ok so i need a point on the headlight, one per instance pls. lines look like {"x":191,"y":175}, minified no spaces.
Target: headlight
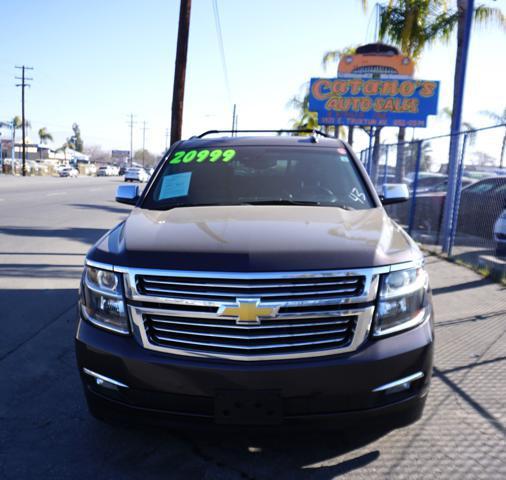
{"x":402,"y":301}
{"x":102,"y":300}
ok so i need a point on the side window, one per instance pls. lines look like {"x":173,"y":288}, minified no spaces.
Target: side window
{"x":482,"y":187}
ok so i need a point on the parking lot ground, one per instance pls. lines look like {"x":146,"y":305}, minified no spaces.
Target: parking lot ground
{"x":46,"y":226}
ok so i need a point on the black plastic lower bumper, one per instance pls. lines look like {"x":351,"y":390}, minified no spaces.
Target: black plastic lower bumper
{"x":327,"y":391}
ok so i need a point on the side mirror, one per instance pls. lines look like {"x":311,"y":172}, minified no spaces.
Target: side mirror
{"x":128,"y":194}
{"x":394,"y":193}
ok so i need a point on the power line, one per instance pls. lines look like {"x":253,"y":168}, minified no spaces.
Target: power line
{"x":222,"y":48}
{"x":23,"y":84}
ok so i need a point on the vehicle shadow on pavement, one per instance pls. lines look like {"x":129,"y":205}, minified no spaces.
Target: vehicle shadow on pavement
{"x":272,"y":454}
{"x":103,"y":208}
{"x":84,"y":235}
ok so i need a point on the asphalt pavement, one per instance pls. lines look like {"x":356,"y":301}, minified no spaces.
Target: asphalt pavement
{"x":46,"y":227}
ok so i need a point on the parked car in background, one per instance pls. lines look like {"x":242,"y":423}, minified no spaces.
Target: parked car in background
{"x":480,"y":206}
{"x":108,"y":171}
{"x":500,"y":234}
{"x":136,"y":174}
{"x":68,"y":172}
{"x":103,"y":171}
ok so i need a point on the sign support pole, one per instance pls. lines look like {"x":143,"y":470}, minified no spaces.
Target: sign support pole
{"x":455,"y":137}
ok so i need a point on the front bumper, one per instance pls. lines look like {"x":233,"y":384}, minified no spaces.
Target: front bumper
{"x":325,"y":390}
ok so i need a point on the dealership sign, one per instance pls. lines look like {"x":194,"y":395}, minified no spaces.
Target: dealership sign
{"x":373,"y":102}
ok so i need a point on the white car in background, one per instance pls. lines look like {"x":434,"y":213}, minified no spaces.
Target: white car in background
{"x":135,"y":174}
{"x":69,"y":172}
{"x":500,"y":234}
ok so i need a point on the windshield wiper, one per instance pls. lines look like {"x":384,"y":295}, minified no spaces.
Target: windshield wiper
{"x":298,"y":202}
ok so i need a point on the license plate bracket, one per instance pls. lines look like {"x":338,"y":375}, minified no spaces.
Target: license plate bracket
{"x":245,"y":407}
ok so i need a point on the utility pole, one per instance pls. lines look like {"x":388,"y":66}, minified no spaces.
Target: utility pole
{"x":180,"y":71}
{"x":166,"y":138}
{"x":131,"y":125}
{"x":233,"y":119}
{"x":143,"y":140}
{"x":23,"y":84}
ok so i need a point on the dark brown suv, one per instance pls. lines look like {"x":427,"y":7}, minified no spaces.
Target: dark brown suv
{"x":258,"y":280}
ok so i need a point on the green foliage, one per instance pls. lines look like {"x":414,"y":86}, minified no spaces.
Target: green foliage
{"x":75,"y":142}
{"x":305,"y":118}
{"x":413,"y":24}
{"x":334,"y":55}
{"x":44,"y":135}
{"x":148,"y":159}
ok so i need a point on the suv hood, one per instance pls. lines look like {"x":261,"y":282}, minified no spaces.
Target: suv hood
{"x":255,"y":238}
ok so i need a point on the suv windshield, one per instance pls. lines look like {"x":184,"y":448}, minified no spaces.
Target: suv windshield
{"x":259,"y":175}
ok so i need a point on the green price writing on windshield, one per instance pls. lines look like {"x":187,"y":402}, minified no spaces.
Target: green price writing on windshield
{"x":202,"y":155}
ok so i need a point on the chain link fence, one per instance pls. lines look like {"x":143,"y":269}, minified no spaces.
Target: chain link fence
{"x":468,"y":225}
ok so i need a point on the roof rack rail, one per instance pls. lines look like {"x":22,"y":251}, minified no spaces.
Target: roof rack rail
{"x":303,"y":130}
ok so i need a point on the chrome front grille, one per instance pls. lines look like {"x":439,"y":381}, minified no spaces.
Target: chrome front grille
{"x":265,"y":289}
{"x":271,"y":336}
{"x":310,"y":314}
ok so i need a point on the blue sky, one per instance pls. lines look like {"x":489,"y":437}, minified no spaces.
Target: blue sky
{"x":96,"y":61}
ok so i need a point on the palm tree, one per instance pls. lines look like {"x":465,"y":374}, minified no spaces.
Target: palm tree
{"x":16,"y":124}
{"x":500,"y":119}
{"x":305,"y":119}
{"x":413,"y":24}
{"x":45,"y":136}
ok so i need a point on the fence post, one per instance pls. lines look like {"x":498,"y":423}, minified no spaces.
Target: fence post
{"x":412,"y":210}
{"x":369,"y":152}
{"x":458,"y":191}
{"x":386,"y":165}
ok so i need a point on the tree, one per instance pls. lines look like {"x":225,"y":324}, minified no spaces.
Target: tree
{"x":500,"y":119}
{"x":44,"y":135}
{"x":97,"y":154}
{"x":63,"y":149}
{"x":305,"y":118}
{"x":17,"y":124}
{"x":414,"y":24}
{"x":75,"y":142}
{"x":149,"y":158}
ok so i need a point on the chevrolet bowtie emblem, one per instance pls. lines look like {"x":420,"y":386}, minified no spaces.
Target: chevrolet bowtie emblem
{"x":247,"y":311}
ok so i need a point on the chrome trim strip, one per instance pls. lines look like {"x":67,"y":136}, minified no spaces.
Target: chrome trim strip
{"x":252,"y":347}
{"x":159,"y":312}
{"x":91,"y":373}
{"x":397,"y":383}
{"x":268,"y":275}
{"x":248,"y":337}
{"x":262,"y":295}
{"x":260,"y":327}
{"x":362,"y":328}
{"x":250,"y":285}
{"x":103,"y":266}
